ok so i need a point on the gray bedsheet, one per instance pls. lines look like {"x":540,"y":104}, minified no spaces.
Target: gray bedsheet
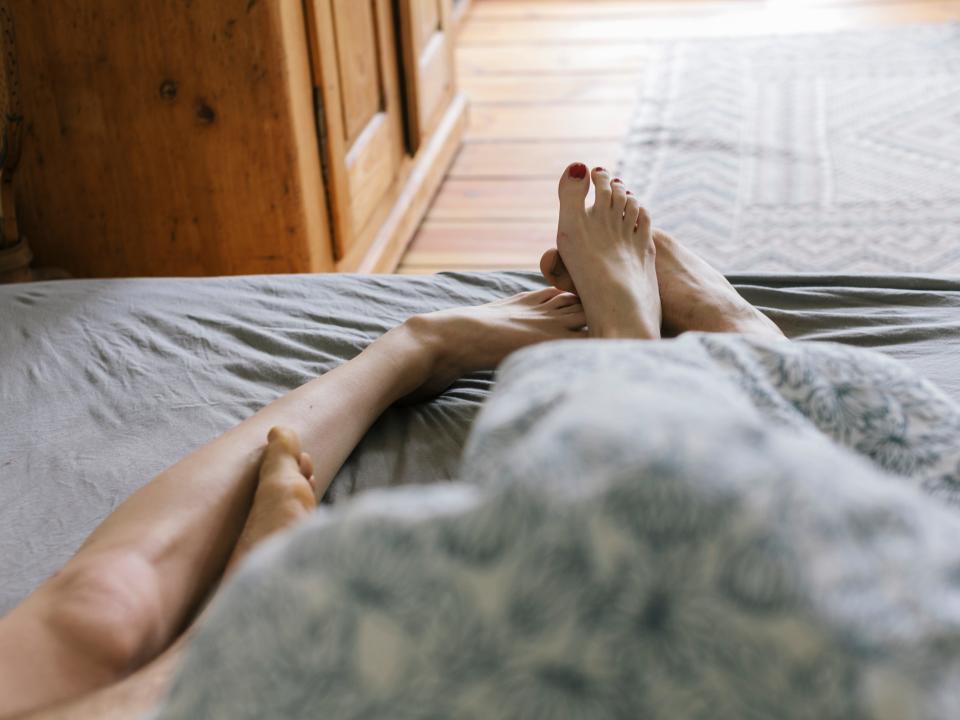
{"x":104,"y":383}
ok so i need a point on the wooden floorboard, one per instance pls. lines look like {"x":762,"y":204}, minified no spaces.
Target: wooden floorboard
{"x":553,"y":81}
{"x":703,"y":20}
{"x":496,"y":199}
{"x":497,"y":10}
{"x":558,"y":59}
{"x":529,"y":159}
{"x":526,"y":88}
{"x":582,"y":121}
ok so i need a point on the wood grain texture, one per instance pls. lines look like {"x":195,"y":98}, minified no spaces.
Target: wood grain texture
{"x":582,"y":10}
{"x":497,"y":199}
{"x":380,"y":193}
{"x":358,"y":63}
{"x":553,"y":81}
{"x":396,"y":219}
{"x":551,"y":60}
{"x":703,"y":20}
{"x":428,"y":64}
{"x":548,"y":122}
{"x":529,"y":159}
{"x":140,"y":160}
{"x":325,"y":72}
{"x":523,"y":89}
{"x":374,"y":157}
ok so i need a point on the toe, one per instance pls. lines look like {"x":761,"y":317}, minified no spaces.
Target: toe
{"x":573,"y":189}
{"x":575,"y":320}
{"x":562,"y":300}
{"x":555,"y":272}
{"x":601,"y":182}
{"x":283,"y":440}
{"x":643,"y":222}
{"x":631,"y":213}
{"x":618,"y":197}
{"x":306,"y":465}
{"x":538,"y":297}
{"x":283,"y":463}
{"x":306,"y":469}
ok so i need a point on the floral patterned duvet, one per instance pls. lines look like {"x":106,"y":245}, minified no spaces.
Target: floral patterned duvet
{"x":708,"y":527}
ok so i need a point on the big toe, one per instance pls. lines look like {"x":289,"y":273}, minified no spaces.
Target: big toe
{"x":285,"y":468}
{"x":283,"y":440}
{"x":573,"y":188}
{"x":555,"y":272}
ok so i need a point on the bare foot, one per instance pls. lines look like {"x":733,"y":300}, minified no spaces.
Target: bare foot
{"x":286,"y":492}
{"x":694,"y":295}
{"x":464,"y":340}
{"x":610,"y":254}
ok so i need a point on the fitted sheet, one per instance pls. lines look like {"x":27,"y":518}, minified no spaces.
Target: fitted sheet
{"x":103,"y":383}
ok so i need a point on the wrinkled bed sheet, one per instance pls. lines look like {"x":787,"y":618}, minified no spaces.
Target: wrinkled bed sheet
{"x":711,"y":526}
{"x":105,"y":383}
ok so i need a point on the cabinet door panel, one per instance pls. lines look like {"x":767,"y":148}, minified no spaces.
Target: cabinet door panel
{"x":358,"y":78}
{"x":434,"y":75}
{"x":426,"y":22}
{"x":428,"y":63}
{"x":356,"y":33}
{"x":371,"y":166}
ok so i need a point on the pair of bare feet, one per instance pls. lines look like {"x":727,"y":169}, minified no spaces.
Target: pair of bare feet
{"x":614,"y":276}
{"x":636,"y":281}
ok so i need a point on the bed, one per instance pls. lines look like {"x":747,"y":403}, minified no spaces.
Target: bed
{"x":103,"y":383}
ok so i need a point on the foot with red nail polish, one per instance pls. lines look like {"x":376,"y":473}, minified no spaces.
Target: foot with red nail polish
{"x":694,"y":295}
{"x":609,"y":253}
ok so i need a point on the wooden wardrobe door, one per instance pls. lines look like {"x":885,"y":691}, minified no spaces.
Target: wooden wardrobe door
{"x":356,"y":67}
{"x":428,"y":64}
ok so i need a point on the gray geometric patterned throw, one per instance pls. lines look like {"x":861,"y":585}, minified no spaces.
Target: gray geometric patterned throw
{"x":830,"y":153}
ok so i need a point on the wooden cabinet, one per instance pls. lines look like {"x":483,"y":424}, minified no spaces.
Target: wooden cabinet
{"x":231,"y":136}
{"x":370,"y":93}
{"x":428,"y":61}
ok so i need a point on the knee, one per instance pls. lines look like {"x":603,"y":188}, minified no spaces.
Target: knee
{"x":106,"y":609}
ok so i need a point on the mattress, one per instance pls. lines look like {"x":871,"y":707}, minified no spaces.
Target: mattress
{"x":103,"y":383}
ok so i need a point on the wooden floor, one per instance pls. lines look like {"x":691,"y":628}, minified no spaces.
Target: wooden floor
{"x":553,"y":81}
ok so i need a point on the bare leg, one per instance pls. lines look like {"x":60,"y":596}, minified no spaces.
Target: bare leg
{"x":286,"y":494}
{"x":694,"y":296}
{"x":140,"y":577}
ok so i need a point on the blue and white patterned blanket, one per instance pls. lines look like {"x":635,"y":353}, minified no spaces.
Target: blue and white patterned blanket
{"x":707,"y":527}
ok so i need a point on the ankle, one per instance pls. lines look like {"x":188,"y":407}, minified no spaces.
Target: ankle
{"x":624,"y":329}
{"x":416,"y":347}
{"x":423,"y":331}
{"x":440,"y":336}
{"x":628,"y":310}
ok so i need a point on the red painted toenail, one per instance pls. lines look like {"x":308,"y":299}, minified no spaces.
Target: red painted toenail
{"x":578,"y":171}
{"x":617,"y":180}
{"x":599,"y":169}
{"x":629,"y":193}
